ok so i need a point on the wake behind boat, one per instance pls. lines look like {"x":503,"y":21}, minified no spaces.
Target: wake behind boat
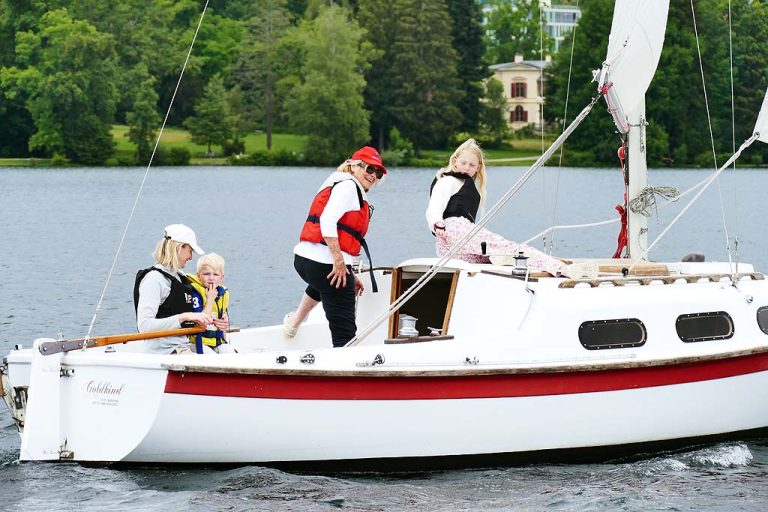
{"x":614,"y":357}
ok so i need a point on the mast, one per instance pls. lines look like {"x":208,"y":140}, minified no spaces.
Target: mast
{"x":634,"y":49}
{"x":637,"y":223}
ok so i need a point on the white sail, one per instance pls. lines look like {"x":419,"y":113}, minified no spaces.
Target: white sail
{"x":634,"y":48}
{"x":761,"y":126}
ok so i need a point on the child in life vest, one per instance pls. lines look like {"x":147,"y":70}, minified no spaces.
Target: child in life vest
{"x":211,"y":297}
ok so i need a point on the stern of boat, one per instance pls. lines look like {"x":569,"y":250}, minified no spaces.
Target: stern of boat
{"x":85,"y":405}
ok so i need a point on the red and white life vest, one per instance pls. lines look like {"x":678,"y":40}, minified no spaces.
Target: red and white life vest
{"x":352,"y":226}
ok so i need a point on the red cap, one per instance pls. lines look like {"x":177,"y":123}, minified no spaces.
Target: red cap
{"x":370,"y":156}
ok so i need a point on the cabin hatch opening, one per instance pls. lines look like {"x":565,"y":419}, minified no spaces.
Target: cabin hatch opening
{"x":431,"y":305}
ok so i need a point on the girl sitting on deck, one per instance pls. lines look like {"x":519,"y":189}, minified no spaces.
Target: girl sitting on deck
{"x":456,"y":195}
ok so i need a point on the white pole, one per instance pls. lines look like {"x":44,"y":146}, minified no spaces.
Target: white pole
{"x":637,"y":228}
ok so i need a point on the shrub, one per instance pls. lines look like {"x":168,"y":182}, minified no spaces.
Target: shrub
{"x":269,"y":158}
{"x":58,"y":160}
{"x":172,"y":156}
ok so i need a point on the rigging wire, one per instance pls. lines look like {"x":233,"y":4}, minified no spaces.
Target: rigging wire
{"x":733,"y":138}
{"x":540,"y":100}
{"x":146,"y":173}
{"x":711,"y":136}
{"x":560,"y":158}
{"x":617,"y":219}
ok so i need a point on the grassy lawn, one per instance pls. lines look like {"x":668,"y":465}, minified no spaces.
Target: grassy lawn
{"x":24,"y":162}
{"x":174,"y":137}
{"x":516,"y":149}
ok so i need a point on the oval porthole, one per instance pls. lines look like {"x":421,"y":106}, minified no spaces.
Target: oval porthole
{"x":716,"y":325}
{"x":616,"y":333}
{"x":762,"y":319}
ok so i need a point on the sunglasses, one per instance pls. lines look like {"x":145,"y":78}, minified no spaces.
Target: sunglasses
{"x":371,"y":169}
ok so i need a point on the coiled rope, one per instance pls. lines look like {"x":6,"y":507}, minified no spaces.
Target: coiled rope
{"x":645,"y":202}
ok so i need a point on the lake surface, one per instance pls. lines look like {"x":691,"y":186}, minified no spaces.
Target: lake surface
{"x":62,"y":229}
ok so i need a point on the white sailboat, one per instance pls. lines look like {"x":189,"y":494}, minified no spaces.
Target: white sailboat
{"x":525,"y":366}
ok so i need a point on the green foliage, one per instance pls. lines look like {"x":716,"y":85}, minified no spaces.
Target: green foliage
{"x":750,"y":62}
{"x":428,"y":90}
{"x":58,"y":160}
{"x":513,"y":28}
{"x":676,"y":110}
{"x":327,"y":102}
{"x":269,"y":158}
{"x":260,"y":63}
{"x":65,"y":73}
{"x":400,"y":150}
{"x":467,"y":32}
{"x":494,"y":125}
{"x":172,"y":156}
{"x":381,"y":23}
{"x":143,"y":120}
{"x":210,"y":124}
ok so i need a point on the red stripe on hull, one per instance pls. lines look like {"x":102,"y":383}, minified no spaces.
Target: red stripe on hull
{"x":456,"y":387}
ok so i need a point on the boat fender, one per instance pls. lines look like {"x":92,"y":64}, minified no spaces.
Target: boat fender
{"x":307,"y":359}
{"x":281,"y":360}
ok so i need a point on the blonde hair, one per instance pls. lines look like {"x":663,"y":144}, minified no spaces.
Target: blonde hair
{"x":167,"y":253}
{"x":473,"y":147}
{"x":212,"y":261}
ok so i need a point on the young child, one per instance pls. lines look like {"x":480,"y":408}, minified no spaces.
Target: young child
{"x":211,"y":297}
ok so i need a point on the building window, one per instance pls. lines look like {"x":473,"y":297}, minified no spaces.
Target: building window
{"x":717,"y":325}
{"x":518,"y":90}
{"x":619,"y":333}
{"x":519,"y":115}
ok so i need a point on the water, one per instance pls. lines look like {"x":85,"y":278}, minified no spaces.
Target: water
{"x":60,"y":232}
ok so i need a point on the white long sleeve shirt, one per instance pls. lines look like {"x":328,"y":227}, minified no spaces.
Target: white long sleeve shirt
{"x":442,"y":192}
{"x":343,"y":199}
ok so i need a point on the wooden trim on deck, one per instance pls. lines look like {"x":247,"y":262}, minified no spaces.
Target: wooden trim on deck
{"x":455,"y":367}
{"x":688,"y":278}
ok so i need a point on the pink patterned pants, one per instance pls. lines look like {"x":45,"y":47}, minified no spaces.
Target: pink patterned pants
{"x":457,"y":227}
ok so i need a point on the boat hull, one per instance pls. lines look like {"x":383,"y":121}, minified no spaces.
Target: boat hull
{"x":276,"y":430}
{"x":152,"y":413}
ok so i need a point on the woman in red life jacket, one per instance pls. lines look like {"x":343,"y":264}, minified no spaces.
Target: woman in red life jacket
{"x":331,"y":240}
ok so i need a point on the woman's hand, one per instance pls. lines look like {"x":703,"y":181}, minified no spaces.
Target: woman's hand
{"x":201,"y":319}
{"x":222,"y":323}
{"x":359,"y":286}
{"x":338,"y":276}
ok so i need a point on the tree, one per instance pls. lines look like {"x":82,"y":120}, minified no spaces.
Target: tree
{"x":426,"y":96}
{"x":143,"y":120}
{"x":380,"y":19}
{"x":327,"y":100}
{"x":260,"y":64}
{"x":494,"y":114}
{"x":595,"y":136}
{"x":469,"y":44}
{"x":210,"y":124}
{"x":515,"y":27}
{"x":65,"y":72}
{"x":750,"y":62}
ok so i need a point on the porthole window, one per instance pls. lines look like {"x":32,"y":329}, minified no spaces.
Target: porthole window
{"x":618,"y":333}
{"x":762,"y":319}
{"x":716,"y":325}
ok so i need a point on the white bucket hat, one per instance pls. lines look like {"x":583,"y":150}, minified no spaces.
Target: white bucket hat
{"x":183,"y":234}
